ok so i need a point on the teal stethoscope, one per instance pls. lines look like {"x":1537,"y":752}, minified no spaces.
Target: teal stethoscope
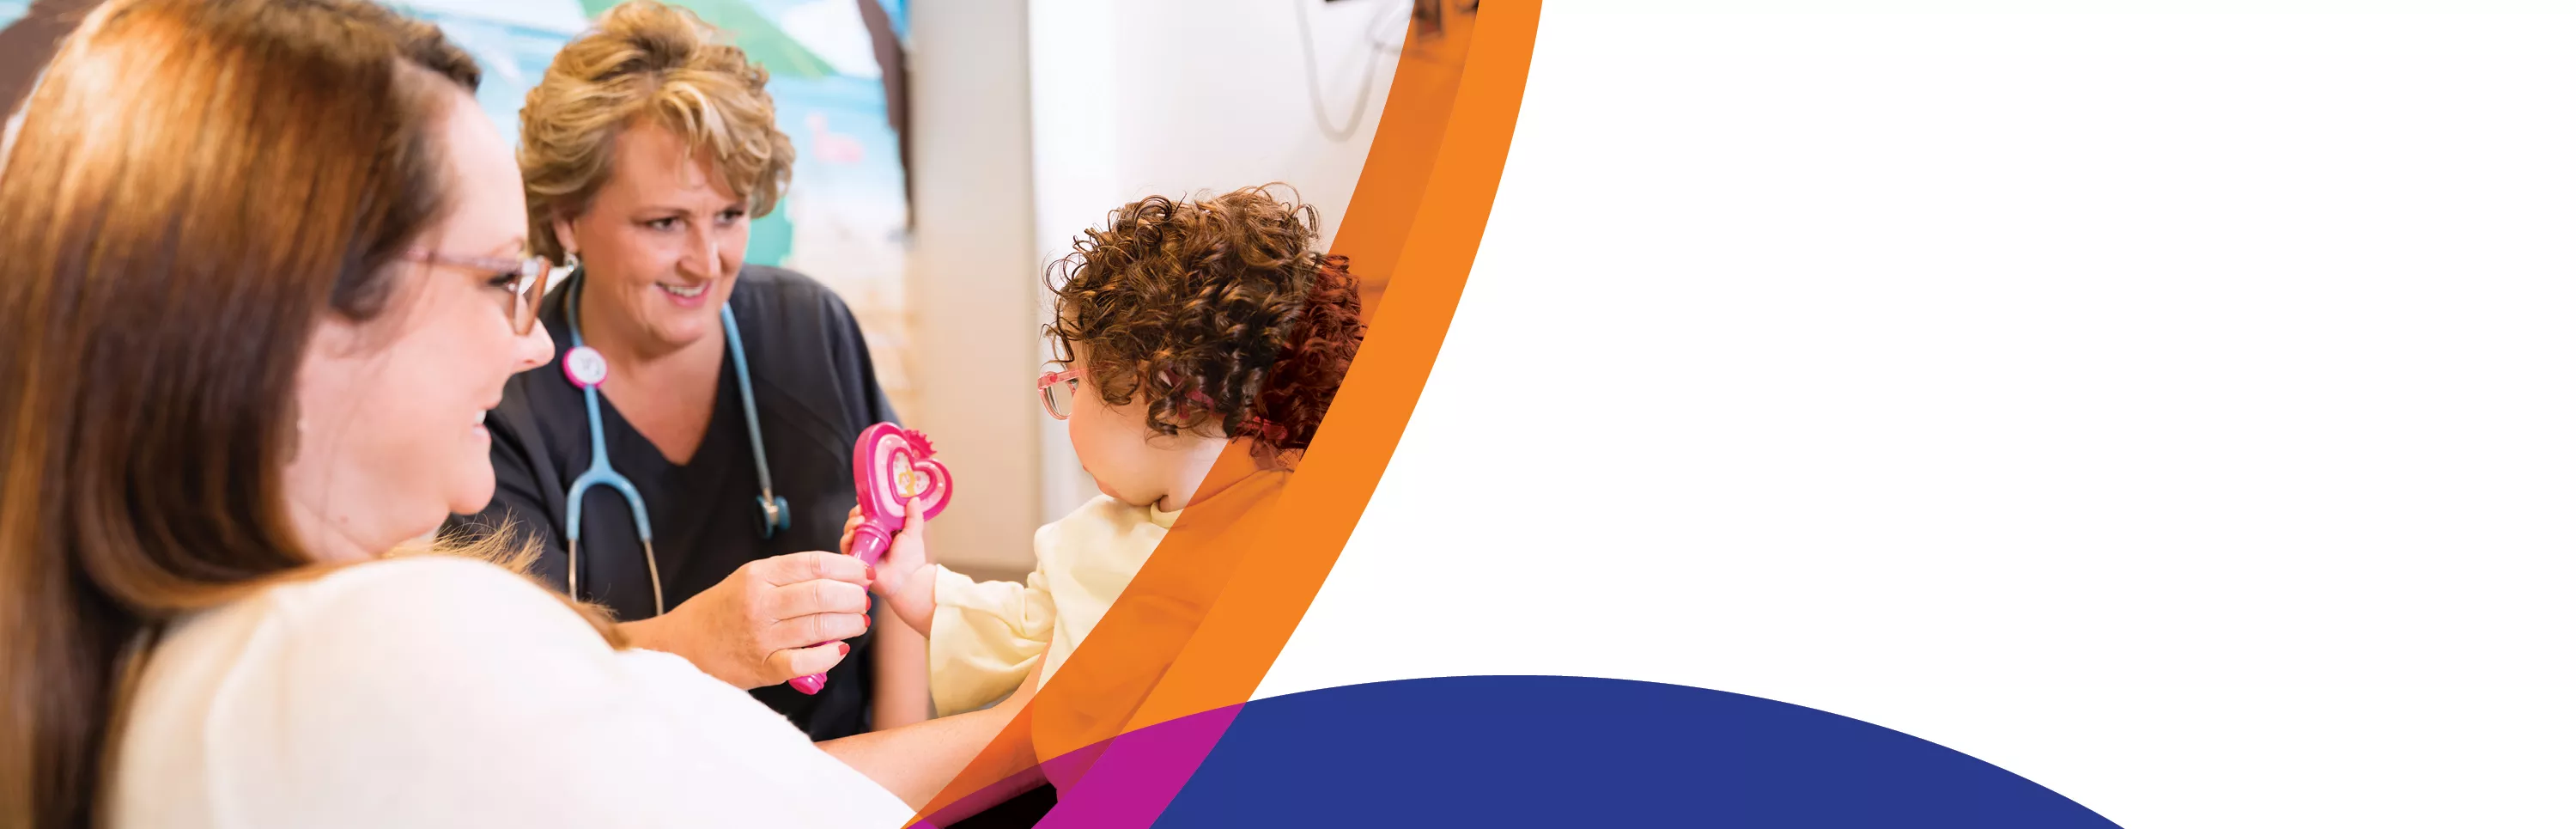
{"x":585,"y":367}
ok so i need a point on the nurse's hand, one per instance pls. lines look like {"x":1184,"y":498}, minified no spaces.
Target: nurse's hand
{"x":753,"y":629}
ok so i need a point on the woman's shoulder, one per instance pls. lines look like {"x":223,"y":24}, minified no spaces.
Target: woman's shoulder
{"x":439,"y":625}
{"x":443,"y":691}
{"x":441,"y":618}
{"x":772,"y":289}
{"x":347,"y":681}
{"x":806,"y":344}
{"x":411,"y":581}
{"x":771,"y":277}
{"x":787,"y":309}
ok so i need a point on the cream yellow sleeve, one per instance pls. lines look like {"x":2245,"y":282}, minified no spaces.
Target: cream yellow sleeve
{"x":985,"y":638}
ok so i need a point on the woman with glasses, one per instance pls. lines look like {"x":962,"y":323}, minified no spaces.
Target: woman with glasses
{"x":255,"y":305}
{"x":683,"y":458}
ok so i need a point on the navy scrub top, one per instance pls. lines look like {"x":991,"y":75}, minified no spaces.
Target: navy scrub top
{"x":816,"y":389}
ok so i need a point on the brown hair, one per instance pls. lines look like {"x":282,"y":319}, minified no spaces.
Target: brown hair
{"x":196,"y":184}
{"x":646,"y":63}
{"x":1222,"y":313}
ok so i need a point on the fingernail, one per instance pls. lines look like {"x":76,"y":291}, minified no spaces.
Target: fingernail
{"x":845,"y":649}
{"x":871,"y":570}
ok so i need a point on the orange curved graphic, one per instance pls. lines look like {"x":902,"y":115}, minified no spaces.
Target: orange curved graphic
{"x":1202,"y":622}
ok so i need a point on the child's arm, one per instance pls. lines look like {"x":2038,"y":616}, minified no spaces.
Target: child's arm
{"x":985,"y":636}
{"x":904,"y":577}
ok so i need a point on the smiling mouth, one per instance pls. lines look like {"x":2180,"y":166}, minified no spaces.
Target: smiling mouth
{"x":683,"y":292}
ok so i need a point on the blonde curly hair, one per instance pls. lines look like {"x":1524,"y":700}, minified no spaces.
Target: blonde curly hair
{"x":646,"y":63}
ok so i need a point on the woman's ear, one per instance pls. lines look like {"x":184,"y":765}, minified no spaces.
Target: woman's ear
{"x":564,"y":237}
{"x":335,"y":338}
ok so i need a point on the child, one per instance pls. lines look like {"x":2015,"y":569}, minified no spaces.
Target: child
{"x":1181,"y":328}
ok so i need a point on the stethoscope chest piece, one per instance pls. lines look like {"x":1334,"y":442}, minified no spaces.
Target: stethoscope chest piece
{"x":773,"y":515}
{"x":585,"y":367}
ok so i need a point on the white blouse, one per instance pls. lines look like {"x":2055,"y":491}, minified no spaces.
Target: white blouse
{"x":437,"y":691}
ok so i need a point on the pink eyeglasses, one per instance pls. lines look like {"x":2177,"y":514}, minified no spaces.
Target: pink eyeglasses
{"x":1059,"y":404}
{"x":526,"y":289}
{"x":1056,"y":388}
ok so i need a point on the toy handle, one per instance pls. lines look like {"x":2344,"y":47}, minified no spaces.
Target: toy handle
{"x":869,"y":542}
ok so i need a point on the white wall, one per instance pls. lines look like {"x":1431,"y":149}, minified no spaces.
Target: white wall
{"x":1131,"y":98}
{"x":971,"y":281}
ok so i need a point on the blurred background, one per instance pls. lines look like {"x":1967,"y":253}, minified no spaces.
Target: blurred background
{"x":947,"y":150}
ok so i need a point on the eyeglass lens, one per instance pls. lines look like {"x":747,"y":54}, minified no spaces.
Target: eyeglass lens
{"x":532,"y":287}
{"x":1059,"y":398}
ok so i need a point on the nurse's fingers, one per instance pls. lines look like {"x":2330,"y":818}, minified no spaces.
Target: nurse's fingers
{"x":806,"y":598}
{"x":821,"y":627}
{"x":802,"y":661}
{"x":808,"y":566}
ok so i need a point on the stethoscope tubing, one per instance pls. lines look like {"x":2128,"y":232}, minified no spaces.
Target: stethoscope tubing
{"x":773,"y":510}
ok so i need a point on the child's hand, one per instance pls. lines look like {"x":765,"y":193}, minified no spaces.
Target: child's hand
{"x":850,"y":530}
{"x":904,"y":577}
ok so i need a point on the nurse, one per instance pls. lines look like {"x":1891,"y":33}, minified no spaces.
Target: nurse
{"x":721,"y":398}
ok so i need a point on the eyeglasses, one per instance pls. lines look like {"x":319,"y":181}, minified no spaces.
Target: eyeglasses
{"x":1055,"y":391}
{"x":527,"y":287}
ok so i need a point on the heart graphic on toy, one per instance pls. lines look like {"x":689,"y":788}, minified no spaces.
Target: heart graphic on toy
{"x":891,"y":465}
{"x":895,"y":467}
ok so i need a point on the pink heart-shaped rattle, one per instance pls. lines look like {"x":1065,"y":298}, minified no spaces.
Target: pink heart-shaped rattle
{"x":891,"y":465}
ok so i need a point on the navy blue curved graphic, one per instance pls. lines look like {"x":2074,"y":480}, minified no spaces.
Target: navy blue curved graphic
{"x":1579,"y":751}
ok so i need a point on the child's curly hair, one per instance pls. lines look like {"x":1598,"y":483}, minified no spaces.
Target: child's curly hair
{"x":1220,"y":312}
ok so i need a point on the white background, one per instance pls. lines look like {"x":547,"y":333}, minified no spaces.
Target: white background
{"x":2178,"y":410}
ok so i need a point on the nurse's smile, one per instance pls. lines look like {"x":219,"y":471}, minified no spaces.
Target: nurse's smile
{"x":689,"y":296}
